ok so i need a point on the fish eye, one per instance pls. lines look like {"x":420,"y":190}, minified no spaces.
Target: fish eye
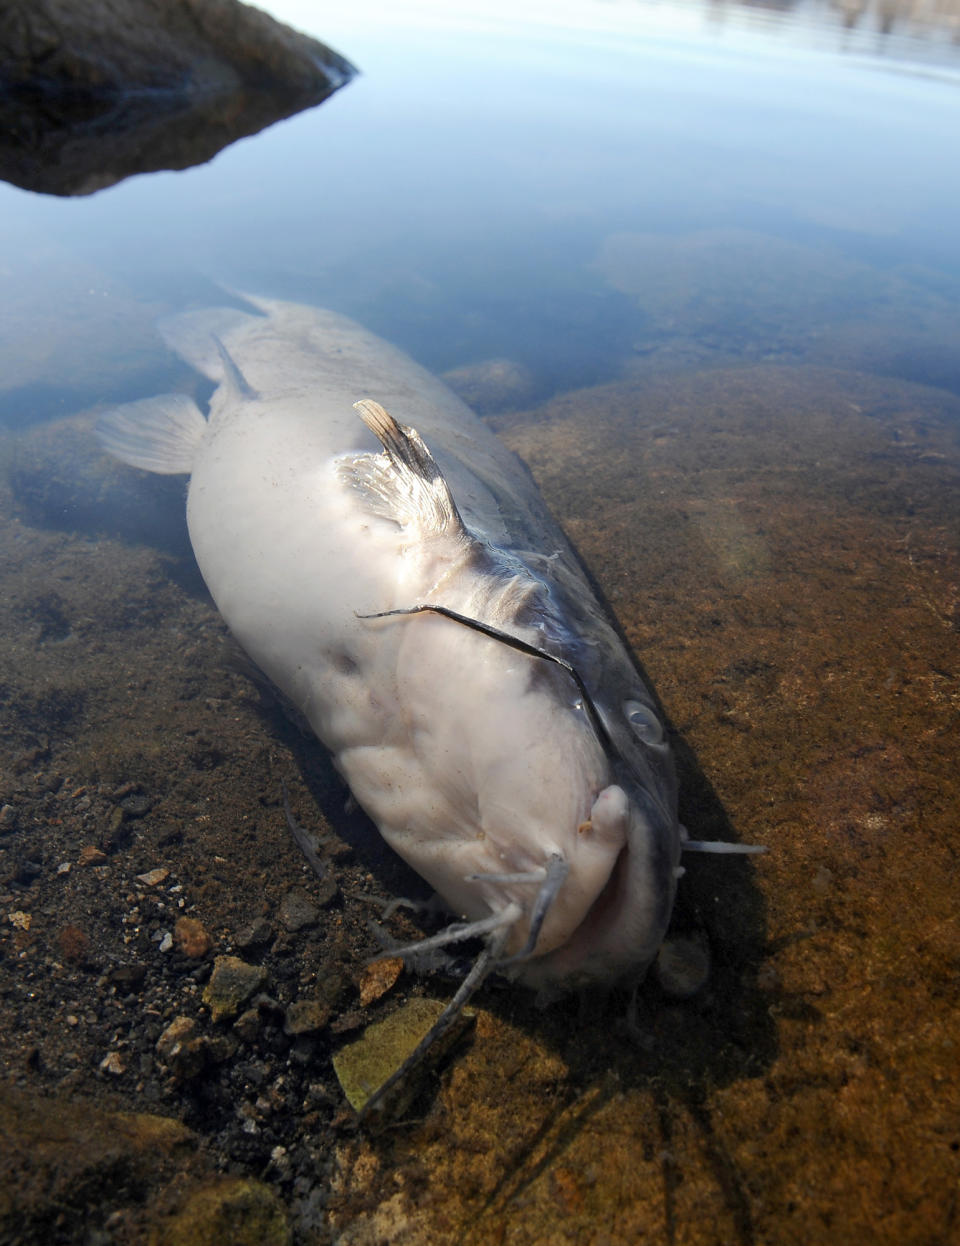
{"x":644,"y":723}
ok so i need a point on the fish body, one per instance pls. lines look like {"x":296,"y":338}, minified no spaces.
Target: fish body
{"x":521,"y":769}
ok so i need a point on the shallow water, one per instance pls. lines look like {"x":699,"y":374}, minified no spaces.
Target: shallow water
{"x":700,"y":267}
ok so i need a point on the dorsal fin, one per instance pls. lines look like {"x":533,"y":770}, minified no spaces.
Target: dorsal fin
{"x":404,"y":483}
{"x":234,"y":380}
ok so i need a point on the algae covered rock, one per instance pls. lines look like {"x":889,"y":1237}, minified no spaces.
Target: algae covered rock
{"x":364,"y":1066}
{"x":231,"y":984}
{"x":233,"y":1212}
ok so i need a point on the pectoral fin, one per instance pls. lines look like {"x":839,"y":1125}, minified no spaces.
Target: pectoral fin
{"x":404,"y":483}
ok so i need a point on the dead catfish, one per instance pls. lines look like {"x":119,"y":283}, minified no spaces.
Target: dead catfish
{"x":392,"y":568}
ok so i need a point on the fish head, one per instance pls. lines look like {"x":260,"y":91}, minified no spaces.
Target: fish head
{"x":539,"y":811}
{"x":635,"y":816}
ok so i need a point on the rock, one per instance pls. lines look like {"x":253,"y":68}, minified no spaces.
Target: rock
{"x":378,"y":978}
{"x":235,"y":1211}
{"x":256,"y":934}
{"x":113,"y":1063}
{"x":19,"y":919}
{"x":128,"y":977}
{"x":153,"y":878}
{"x":191,"y":938}
{"x":92,"y":91}
{"x":297,"y":910}
{"x":8,"y":819}
{"x":90,"y":855}
{"x":231,"y":984}
{"x":306,"y":1016}
{"x":683,"y":965}
{"x":136,"y":806}
{"x":493,"y":385}
{"x":181,"y":1049}
{"x":363,"y":1066}
{"x":247,"y":1025}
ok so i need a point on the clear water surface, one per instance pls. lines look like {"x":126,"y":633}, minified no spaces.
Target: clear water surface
{"x":573,"y":187}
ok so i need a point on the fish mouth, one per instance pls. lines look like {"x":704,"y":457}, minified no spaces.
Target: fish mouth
{"x":622,"y":930}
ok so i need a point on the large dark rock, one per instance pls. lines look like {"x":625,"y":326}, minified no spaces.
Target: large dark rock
{"x":92,"y":91}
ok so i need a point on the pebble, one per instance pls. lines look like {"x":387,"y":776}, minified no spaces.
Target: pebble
{"x":136,"y":806}
{"x":306,"y":1016}
{"x":20,"y":919}
{"x":682,"y":965}
{"x":376,"y":979}
{"x":247,"y":1025}
{"x":114,"y":1063}
{"x":190,"y":938}
{"x":153,"y":878}
{"x":128,"y":977}
{"x":255,"y":935}
{"x":298,"y":911}
{"x":91,"y":855}
{"x":231,"y":984}
{"x":8,"y":819}
{"x":181,"y":1048}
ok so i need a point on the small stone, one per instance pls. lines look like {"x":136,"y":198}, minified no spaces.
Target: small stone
{"x":191,"y":938}
{"x":113,"y":1063}
{"x":8,"y":819}
{"x":378,"y":978}
{"x":19,"y":919}
{"x":306,"y":1016}
{"x":128,"y":977}
{"x":220,"y":1047}
{"x":181,"y":1049}
{"x":247,"y":1025}
{"x":166,"y":941}
{"x":74,"y":944}
{"x":90,"y":855}
{"x":136,"y":806}
{"x":153,"y":878}
{"x":682,"y":965}
{"x":256,"y":934}
{"x":231,"y":984}
{"x":64,"y":867}
{"x":297,"y":910}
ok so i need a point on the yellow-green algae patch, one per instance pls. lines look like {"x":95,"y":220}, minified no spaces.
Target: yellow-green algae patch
{"x":782,"y":549}
{"x":364,"y":1065}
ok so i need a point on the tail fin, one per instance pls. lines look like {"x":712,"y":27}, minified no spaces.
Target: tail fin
{"x":158,"y":434}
